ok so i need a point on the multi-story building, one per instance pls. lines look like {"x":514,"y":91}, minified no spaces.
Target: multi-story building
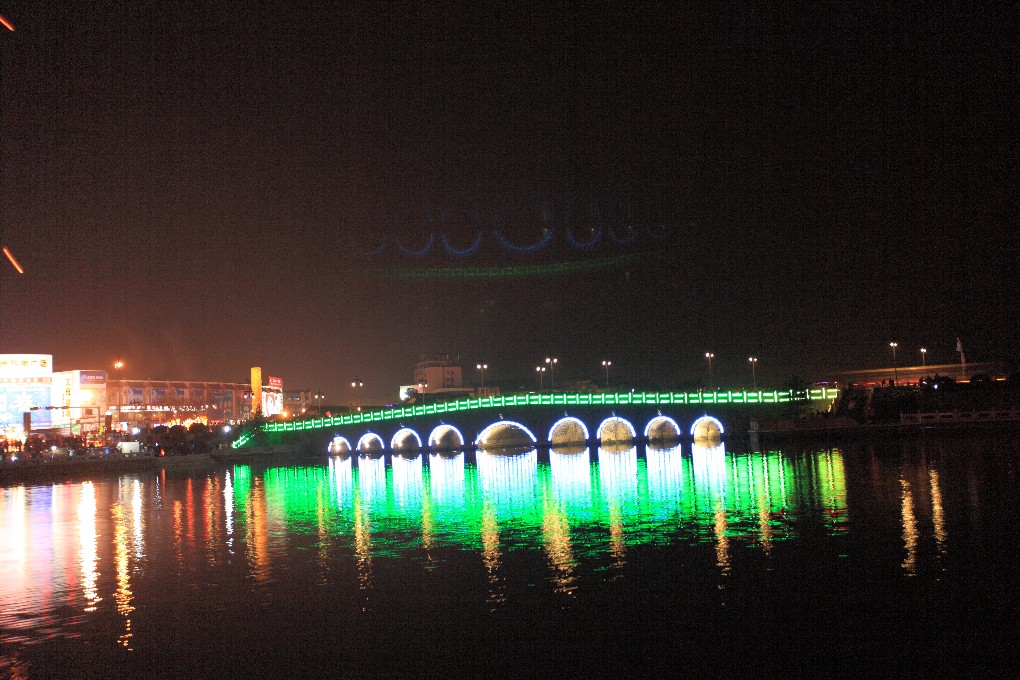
{"x":144,"y":403}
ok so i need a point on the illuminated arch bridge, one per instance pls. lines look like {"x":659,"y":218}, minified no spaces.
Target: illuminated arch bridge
{"x":534,"y":420}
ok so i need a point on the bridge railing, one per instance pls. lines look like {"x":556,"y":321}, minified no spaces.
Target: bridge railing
{"x":553,"y":399}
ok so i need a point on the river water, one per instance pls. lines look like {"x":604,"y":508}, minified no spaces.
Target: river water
{"x":888,"y":559}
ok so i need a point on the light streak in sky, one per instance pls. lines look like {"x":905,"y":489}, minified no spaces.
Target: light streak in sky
{"x":7,"y":251}
{"x":10,"y":26}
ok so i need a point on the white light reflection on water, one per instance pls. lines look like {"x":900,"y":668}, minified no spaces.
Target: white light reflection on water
{"x":618,"y":487}
{"x":446,"y":481}
{"x":570,"y":474}
{"x":408,"y":485}
{"x":569,"y":496}
{"x":509,"y":482}
{"x":709,"y":465}
{"x":228,"y":511}
{"x":666,"y":483}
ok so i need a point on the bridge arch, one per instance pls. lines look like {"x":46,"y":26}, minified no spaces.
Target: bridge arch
{"x":405,"y":440}
{"x":446,"y":438}
{"x":616,"y":430}
{"x":707,"y":428}
{"x":370,"y":442}
{"x":662,"y":432}
{"x":505,"y":434}
{"x":567,"y":431}
{"x":339,"y":445}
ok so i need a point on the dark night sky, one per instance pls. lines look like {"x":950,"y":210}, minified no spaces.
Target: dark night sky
{"x":193,"y":186}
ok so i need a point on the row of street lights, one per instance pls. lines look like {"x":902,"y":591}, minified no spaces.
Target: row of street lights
{"x":894,"y":345}
{"x":540,"y":370}
{"x":754,"y":369}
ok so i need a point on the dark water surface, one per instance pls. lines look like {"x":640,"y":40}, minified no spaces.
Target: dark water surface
{"x":892,"y":559}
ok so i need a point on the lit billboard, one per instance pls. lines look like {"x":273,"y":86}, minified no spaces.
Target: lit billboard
{"x":26,"y":365}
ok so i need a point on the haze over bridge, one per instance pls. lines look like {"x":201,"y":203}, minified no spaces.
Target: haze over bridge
{"x":536,"y":420}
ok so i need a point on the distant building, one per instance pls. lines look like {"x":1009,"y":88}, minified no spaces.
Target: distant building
{"x":145,"y":403}
{"x":438,"y":372}
{"x":89,"y":401}
{"x":297,"y":401}
{"x":438,"y":376}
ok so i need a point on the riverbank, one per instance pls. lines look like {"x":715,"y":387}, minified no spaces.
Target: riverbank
{"x":43,"y":470}
{"x":983,"y":420}
{"x":49,"y":469}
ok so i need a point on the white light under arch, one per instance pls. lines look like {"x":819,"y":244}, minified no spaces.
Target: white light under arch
{"x":368,"y":437}
{"x":337,"y":444}
{"x":437,"y":434}
{"x":567,"y":419}
{"x":480,"y":441}
{"x":401,"y":435}
{"x":706,"y":418}
{"x":612,"y":420}
{"x":662,"y":419}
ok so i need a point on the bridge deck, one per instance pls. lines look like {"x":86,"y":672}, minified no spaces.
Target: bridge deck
{"x":726,"y":397}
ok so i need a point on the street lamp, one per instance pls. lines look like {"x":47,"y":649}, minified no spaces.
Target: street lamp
{"x":552,"y":371}
{"x":754,"y":375}
{"x":541,"y":374}
{"x":606,"y":364}
{"x":319,"y":396}
{"x":709,"y":356}
{"x":118,"y":365}
{"x":356,"y":385}
{"x":924,"y":356}
{"x":482,"y":367}
{"x":894,"y":345}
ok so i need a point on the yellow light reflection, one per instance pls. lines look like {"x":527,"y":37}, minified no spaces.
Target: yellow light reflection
{"x":258,"y":532}
{"x":363,"y":544}
{"x":722,"y":542}
{"x":909,"y":528}
{"x":617,"y":539}
{"x":121,"y":553}
{"x":556,"y":534}
{"x":428,"y":526}
{"x":491,"y":556}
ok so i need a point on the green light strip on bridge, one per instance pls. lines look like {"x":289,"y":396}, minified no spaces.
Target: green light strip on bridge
{"x":559,"y":399}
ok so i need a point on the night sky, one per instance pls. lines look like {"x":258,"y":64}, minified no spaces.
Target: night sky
{"x":200,"y":187}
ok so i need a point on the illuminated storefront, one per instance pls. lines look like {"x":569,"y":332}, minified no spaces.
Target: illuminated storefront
{"x":26,"y":381}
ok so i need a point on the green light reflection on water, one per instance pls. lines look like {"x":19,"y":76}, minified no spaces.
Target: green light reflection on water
{"x":598,"y":502}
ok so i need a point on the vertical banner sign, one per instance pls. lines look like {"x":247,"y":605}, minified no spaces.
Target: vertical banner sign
{"x":256,"y":387}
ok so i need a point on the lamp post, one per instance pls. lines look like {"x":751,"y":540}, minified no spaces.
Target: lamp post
{"x":319,"y":396}
{"x":709,"y":356}
{"x":606,"y":364}
{"x":894,"y":345}
{"x":541,"y":374}
{"x":924,"y":357}
{"x":118,"y":366}
{"x":481,"y":368}
{"x":754,"y":375}
{"x":356,"y":385}
{"x":551,"y":362}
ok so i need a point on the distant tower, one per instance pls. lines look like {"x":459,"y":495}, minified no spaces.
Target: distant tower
{"x":256,"y":389}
